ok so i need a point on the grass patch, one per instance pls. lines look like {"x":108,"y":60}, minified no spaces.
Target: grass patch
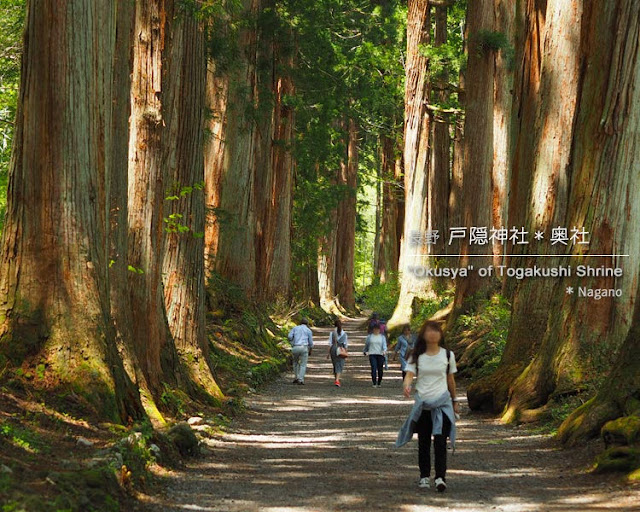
{"x":381,"y":297}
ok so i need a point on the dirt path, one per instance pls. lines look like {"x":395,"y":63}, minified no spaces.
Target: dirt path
{"x":317,"y":448}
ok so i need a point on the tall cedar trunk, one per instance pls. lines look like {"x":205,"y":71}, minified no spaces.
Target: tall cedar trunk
{"x":327,"y":250}
{"x":250,"y":165}
{"x":217,"y":91}
{"x":54,"y":283}
{"x":583,"y":335}
{"x":439,"y":173}
{"x":279,"y":197}
{"x":457,"y":174}
{"x":264,"y":178}
{"x":388,"y":239}
{"x":378,"y":216}
{"x":477,"y":153}
{"x":119,"y":229}
{"x":416,"y":161}
{"x":235,"y":258}
{"x":183,"y":265}
{"x":148,"y":143}
{"x":504,"y":12}
{"x":346,"y":223}
{"x":544,"y":106}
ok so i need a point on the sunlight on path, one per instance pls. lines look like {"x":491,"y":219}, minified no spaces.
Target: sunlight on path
{"x":318,"y":448}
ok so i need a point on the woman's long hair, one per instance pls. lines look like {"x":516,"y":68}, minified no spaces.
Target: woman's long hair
{"x":338,"y":325}
{"x":421,"y":342}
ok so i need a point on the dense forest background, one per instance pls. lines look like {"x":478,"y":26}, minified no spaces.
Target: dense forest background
{"x":182,"y":179}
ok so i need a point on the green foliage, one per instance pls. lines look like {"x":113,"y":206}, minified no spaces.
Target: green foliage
{"x":382,"y":297}
{"x":11,"y":23}
{"x":489,"y":41}
{"x":349,"y":65}
{"x":24,"y":438}
{"x":481,"y":331}
{"x":174,"y":400}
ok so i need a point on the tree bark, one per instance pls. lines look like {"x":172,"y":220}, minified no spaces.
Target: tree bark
{"x":389,"y":239}
{"x":279,"y":195}
{"x":416,"y":161}
{"x":217,"y":92}
{"x":439,"y":171}
{"x":183,"y":262}
{"x":55,"y":289}
{"x":477,"y":154}
{"x":346,"y":222}
{"x":583,"y":335}
{"x":235,"y":258}
{"x":545,"y":99}
{"x":504,"y":13}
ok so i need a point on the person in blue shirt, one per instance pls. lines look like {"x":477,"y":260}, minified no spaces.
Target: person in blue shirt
{"x":404,"y":345}
{"x":301,"y":339}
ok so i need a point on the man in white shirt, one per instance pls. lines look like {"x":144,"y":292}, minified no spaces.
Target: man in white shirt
{"x":301,"y":339}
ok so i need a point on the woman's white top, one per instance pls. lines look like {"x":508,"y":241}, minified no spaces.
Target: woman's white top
{"x":432,"y":369}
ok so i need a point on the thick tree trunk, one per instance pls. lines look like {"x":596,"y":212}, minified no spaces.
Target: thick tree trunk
{"x":603,"y":196}
{"x":346,"y":222}
{"x":388,"y":239}
{"x":327,"y":250}
{"x":439,"y":171}
{"x":55,"y":291}
{"x":280,"y":197}
{"x":545,"y":103}
{"x":235,"y":258}
{"x":416,"y":162}
{"x":183,"y":265}
{"x":504,"y":12}
{"x":457,"y":175}
{"x":152,"y":339}
{"x":214,"y":160}
{"x":119,"y":229}
{"x":477,"y":154}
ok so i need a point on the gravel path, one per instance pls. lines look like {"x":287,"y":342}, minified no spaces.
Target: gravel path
{"x":317,"y":448}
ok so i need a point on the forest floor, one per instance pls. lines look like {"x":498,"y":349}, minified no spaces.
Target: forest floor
{"x":317,"y":448}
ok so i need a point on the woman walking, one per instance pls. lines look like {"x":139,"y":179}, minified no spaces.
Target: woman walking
{"x":436,"y":405}
{"x":337,"y":340}
{"x":376,"y":348}
{"x":403,"y":347}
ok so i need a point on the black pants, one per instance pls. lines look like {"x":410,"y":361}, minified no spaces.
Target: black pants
{"x":377,"y":366}
{"x":424,"y":428}
{"x":404,"y":374}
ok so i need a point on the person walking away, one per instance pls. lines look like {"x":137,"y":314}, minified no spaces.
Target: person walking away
{"x":404,"y":345}
{"x":301,"y":339}
{"x":375,"y":347}
{"x":436,"y":405}
{"x":372,"y":322}
{"x":337,"y":338}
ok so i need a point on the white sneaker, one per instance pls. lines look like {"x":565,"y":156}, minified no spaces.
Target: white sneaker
{"x":375,"y":385}
{"x":440,"y":484}
{"x":424,"y":483}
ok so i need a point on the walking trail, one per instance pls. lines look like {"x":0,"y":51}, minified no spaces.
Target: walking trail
{"x":318,"y":448}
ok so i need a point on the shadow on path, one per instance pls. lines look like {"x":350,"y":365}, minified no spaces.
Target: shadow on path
{"x":318,"y":448}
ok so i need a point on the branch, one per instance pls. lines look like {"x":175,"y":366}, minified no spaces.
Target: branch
{"x":440,"y":110}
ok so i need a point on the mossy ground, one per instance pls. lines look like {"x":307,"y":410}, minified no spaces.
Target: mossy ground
{"x":44,"y":468}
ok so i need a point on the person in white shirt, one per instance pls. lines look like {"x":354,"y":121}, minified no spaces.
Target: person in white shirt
{"x":434,"y":366}
{"x":376,"y":348}
{"x":301,"y":339}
